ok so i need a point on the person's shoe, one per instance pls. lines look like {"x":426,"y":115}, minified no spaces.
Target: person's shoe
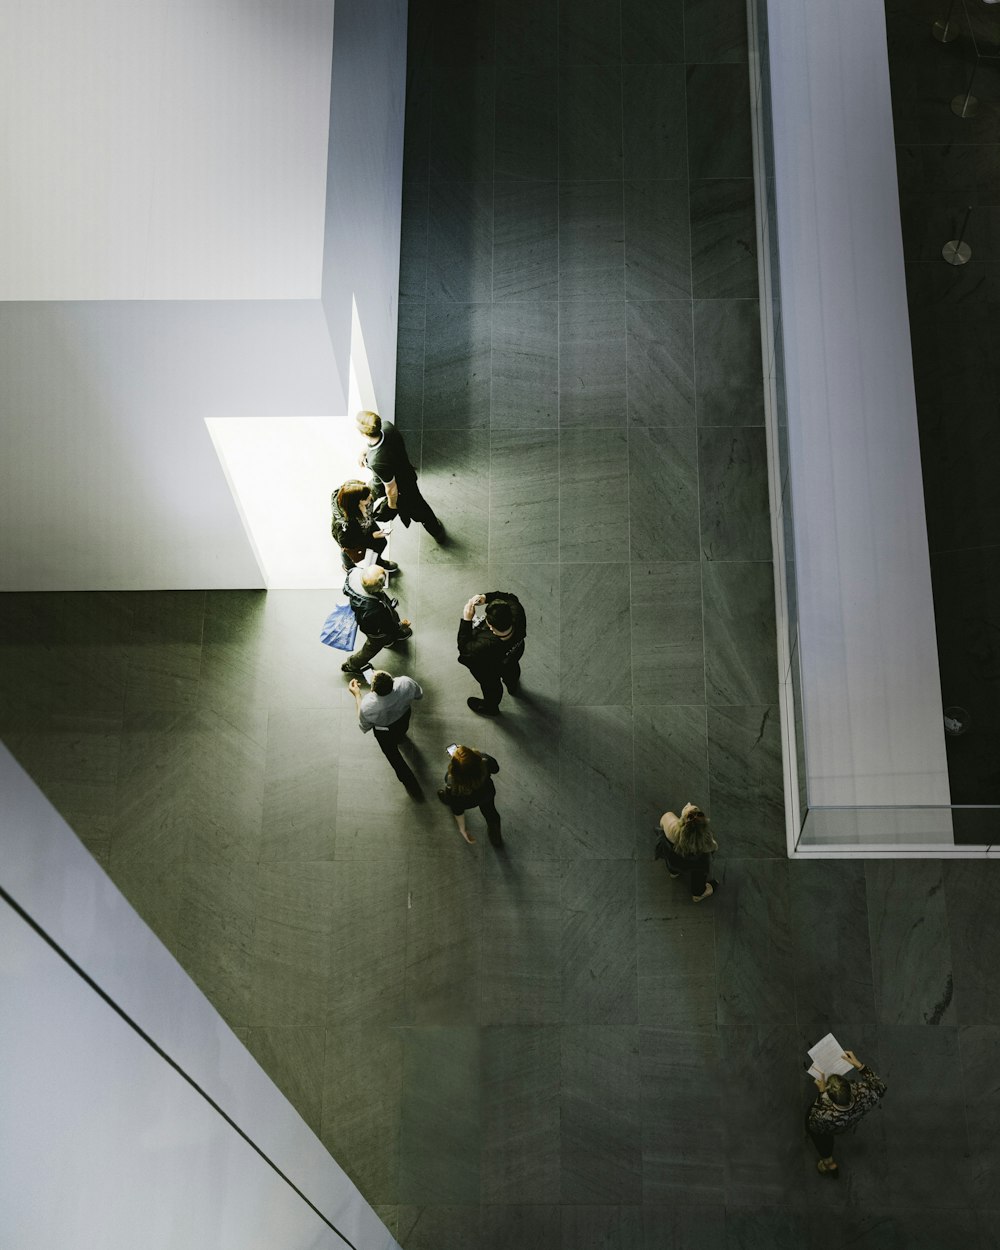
{"x":709,"y":891}
{"x":671,"y":873}
{"x":513,"y":688}
{"x":348,"y":667}
{"x":401,"y":637}
{"x":414,"y":791}
{"x":828,"y":1169}
{"x":494,"y":836}
{"x":390,"y":566}
{"x":436,"y":530}
{"x":480,"y":706}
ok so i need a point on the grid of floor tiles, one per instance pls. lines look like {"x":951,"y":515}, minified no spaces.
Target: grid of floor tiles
{"x":553,"y":1048}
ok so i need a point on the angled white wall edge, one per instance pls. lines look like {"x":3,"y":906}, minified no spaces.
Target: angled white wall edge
{"x":104,"y":1142}
{"x":861,"y":713}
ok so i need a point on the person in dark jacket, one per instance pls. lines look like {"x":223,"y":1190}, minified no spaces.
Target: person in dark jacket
{"x":469,"y":783}
{"x":390,"y":467}
{"x":687,"y":846}
{"x":354,"y":527}
{"x":840,"y":1104}
{"x":491,"y":647}
{"x":375,"y":614}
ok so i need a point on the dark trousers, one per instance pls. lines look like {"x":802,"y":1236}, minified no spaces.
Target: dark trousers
{"x":389,"y":740}
{"x":822,"y":1141}
{"x":697,"y":865}
{"x":492,"y":817}
{"x":412,"y":506}
{"x":492,"y":682}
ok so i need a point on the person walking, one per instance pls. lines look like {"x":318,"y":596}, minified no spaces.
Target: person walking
{"x":687,"y":846}
{"x":839,"y":1104}
{"x":375,"y":613}
{"x":390,"y":466}
{"x":354,"y":527}
{"x":385,"y":711}
{"x":491,"y":647}
{"x":469,"y":783}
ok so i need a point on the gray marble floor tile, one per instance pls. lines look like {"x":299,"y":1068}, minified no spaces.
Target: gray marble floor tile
{"x":598,"y":942}
{"x":520,"y":1115}
{"x":680,"y":1093}
{"x":740,"y":661}
{"x":590,"y":121}
{"x":723,"y":239}
{"x":461,"y":141}
{"x":291,"y":944}
{"x":455,"y":479}
{"x":595,"y":778}
{"x":663,"y":494}
{"x":728,"y":362}
{"x":527,"y":32}
{"x":368,"y":899}
{"x":388,"y":1213}
{"x":413,"y":243}
{"x":299,"y":672}
{"x":756,"y":980}
{"x":975,"y":941}
{"x":164,"y":654}
{"x":591,"y":240}
{"x":701,"y":1228}
{"x":671,"y":765}
{"x":457,"y":366}
{"x":441,"y":1104}
{"x":593,"y":496}
{"x":675,"y":953}
{"x":215,"y":927}
{"x":156,"y":771}
{"x":594,"y":605}
{"x":769,"y":1113}
{"x":668,"y":651}
{"x":444,"y":935}
{"x":601,"y":1227}
{"x":522,"y":924}
{"x":734,"y":510}
{"x":715,"y":31}
{"x":300,"y":784}
{"x":417,"y":120}
{"x":599,"y":1115}
{"x":225,"y":798}
{"x":744,"y":755}
{"x":589,"y":33}
{"x":657,"y":240}
{"x":529,"y":799}
{"x":154,"y":890}
{"x":74,"y":759}
{"x":925,"y":1131}
{"x":431,"y":1227}
{"x":293,"y":1059}
{"x":460,"y":241}
{"x":234,"y":649}
{"x":718,"y":121}
{"x":527,"y":1227}
{"x":362,"y":1091}
{"x":653,"y":106}
{"x":911,"y":947}
{"x":524,"y":495}
{"x":462,"y":34}
{"x":979,"y":1047}
{"x":410,"y":364}
{"x":652,"y":33}
{"x":525,"y":381}
{"x":526,"y":241}
{"x":767,"y":1228}
{"x":592,"y":363}
{"x":661,"y":376}
{"x":526,"y":132}
{"x":829,"y":916}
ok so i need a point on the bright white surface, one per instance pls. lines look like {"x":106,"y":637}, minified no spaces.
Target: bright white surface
{"x":164,"y":149}
{"x":871,"y":693}
{"x":109,"y":478}
{"x":98,"y":1138}
{"x":282,"y":471}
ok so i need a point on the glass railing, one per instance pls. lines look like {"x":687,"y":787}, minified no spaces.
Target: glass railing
{"x":900,"y":831}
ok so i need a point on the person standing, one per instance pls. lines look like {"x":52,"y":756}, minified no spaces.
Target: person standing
{"x":354,"y":527}
{"x":687,"y":846}
{"x":839,"y":1104}
{"x":469,"y":783}
{"x":390,"y":466}
{"x":375,"y":614}
{"x":385,"y":711}
{"x":491,"y":647}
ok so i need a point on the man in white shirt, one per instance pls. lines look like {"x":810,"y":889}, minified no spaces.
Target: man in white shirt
{"x":385,"y":711}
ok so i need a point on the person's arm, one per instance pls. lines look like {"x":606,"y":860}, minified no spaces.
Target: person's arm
{"x":668,"y":823}
{"x":469,"y":611}
{"x":491,"y":763}
{"x":355,"y":688}
{"x":460,"y":821}
{"x":418,"y":690}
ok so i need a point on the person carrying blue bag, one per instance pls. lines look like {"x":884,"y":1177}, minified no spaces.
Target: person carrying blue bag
{"x":375,"y":613}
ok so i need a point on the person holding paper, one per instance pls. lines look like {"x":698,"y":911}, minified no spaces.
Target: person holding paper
{"x":839,"y":1104}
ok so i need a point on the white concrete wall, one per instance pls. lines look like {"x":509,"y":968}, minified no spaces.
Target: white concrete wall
{"x":103,"y":1143}
{"x":364,"y":191}
{"x":163,"y":149}
{"x":871,"y":691}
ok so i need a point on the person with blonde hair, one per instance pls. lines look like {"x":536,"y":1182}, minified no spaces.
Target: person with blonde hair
{"x":687,"y":846}
{"x":375,"y":613}
{"x":469,"y":783}
{"x":393,"y":473}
